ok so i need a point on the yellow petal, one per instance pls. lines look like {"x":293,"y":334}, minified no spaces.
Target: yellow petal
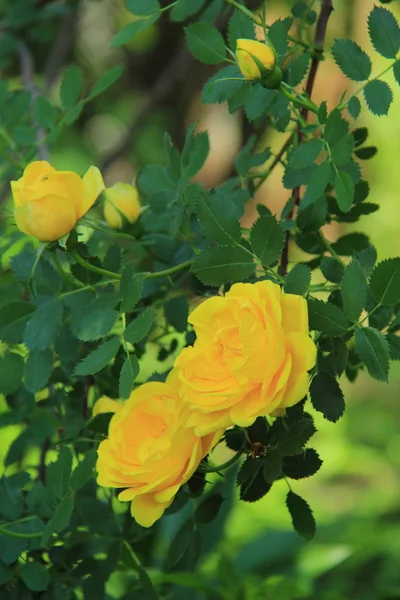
{"x":93,"y":186}
{"x":16,"y":191}
{"x":121,"y":202}
{"x":106,"y":404}
{"x":35,"y":170}
{"x":294,"y":314}
{"x":146,"y":510}
{"x":245,"y":50}
{"x":65,"y":184}
{"x":47,"y":219}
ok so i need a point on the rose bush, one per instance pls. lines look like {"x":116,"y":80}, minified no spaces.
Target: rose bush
{"x":121,"y":202}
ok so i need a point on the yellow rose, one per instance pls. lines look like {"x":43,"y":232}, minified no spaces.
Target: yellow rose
{"x":252,"y":69}
{"x":48,"y":203}
{"x":150,"y":451}
{"x":121,"y":201}
{"x":106,"y":404}
{"x":250,"y":358}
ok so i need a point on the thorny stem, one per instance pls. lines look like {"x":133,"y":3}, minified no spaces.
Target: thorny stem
{"x":329,"y":248}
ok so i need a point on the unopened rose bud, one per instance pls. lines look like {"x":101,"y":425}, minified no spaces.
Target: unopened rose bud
{"x":121,"y":203}
{"x":257,"y":62}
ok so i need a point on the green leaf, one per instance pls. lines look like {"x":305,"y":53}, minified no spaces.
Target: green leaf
{"x":292,"y":441}
{"x":13,"y":319}
{"x":218,"y":218}
{"x":327,"y":397}
{"x":317,"y":183}
{"x":130,"y":288}
{"x":258,"y":99}
{"x":71,"y":87}
{"x":246,"y":160}
{"x":220,"y":87}
{"x":106,"y":81}
{"x":131,"y":30}
{"x":206,"y":43}
{"x":353,"y":61}
{"x":297,"y":69}
{"x":278,"y":36}
{"x":354,"y":107}
{"x":367,"y":258}
{"x":385,"y":281}
{"x":302,"y":517}
{"x":142,"y":7}
{"x":140,"y":327}
{"x":298,"y":280}
{"x":38,"y":369}
{"x":272,"y":465}
{"x":180,"y":544}
{"x":327,"y":318}
{"x":350,"y":243}
{"x":240,"y":27}
{"x":209,"y":508}
{"x":396,"y":71}
{"x":129,"y":372}
{"x":394,"y":346}
{"x":336,"y":128}
{"x":344,"y":190}
{"x":341,"y":151}
{"x":254,"y":487}
{"x":305,"y":154}
{"x":11,"y":372}
{"x":43,"y":325}
{"x":176,"y":312}
{"x":354,"y":290}
{"x":303,"y":465}
{"x":96,"y":325}
{"x":185,"y":9}
{"x":384,"y":32}
{"x":44,"y":112}
{"x":35,"y":576}
{"x":331,"y":269}
{"x":267,"y":239}
{"x":98,"y":359}
{"x":84,"y":470}
{"x":60,"y":519}
{"x":100,"y":423}
{"x":378,"y":97}
{"x":195,"y":155}
{"x":373,"y":349}
{"x":58,"y":473}
{"x":223,"y":265}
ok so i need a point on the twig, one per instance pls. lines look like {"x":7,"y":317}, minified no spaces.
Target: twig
{"x":320,"y":32}
{"x":27,"y":79}
{"x":42,"y":462}
{"x":60,"y":50}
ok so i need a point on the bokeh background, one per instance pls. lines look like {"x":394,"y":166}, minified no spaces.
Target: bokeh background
{"x":356,"y":495}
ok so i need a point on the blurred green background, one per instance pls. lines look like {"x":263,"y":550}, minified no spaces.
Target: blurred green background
{"x":356,"y":495}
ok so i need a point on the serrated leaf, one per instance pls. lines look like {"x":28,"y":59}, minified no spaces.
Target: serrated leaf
{"x":396,"y":71}
{"x":35,"y":576}
{"x":302,"y":517}
{"x":43,"y":325}
{"x":240,"y":27}
{"x":38,"y":369}
{"x":394,"y":346}
{"x":350,"y":243}
{"x":267,"y":239}
{"x":129,"y":372}
{"x":341,"y":151}
{"x":58,"y":473}
{"x":100,"y":423}
{"x":272,"y":465}
{"x":84,"y":470}
{"x":130,"y":288}
{"x":297,"y":69}
{"x":13,"y":319}
{"x":378,"y":97}
{"x":258,"y":99}
{"x":327,"y":397}
{"x":292,"y":441}
{"x":140,"y":327}
{"x":331,"y":269}
{"x":353,"y":290}
{"x":255,"y":487}
{"x":130,"y":31}
{"x":278,"y":36}
{"x":354,"y":107}
{"x":220,"y":87}
{"x":305,"y":154}
{"x":98,"y":359}
{"x":327,"y":318}
{"x":344,"y":190}
{"x":385,"y":281}
{"x":60,"y":519}
{"x":373,"y":349}
{"x":106,"y":81}
{"x":384,"y":32}
{"x":185,"y":9}
{"x":353,"y":61}
{"x":209,"y":508}
{"x":96,"y":324}
{"x":298,"y":280}
{"x":71,"y":87}
{"x":206,"y":43}
{"x":195,"y":157}
{"x":44,"y":112}
{"x":142,"y":7}
{"x":179,"y":544}
{"x":218,"y":218}
{"x":223,"y":265}
{"x":303,"y":465}
{"x":11,"y":372}
{"x":317,"y":183}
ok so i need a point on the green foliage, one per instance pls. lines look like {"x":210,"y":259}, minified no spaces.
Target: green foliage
{"x":302,"y":516}
{"x":206,"y":43}
{"x":378,"y":97}
{"x":266,"y":239}
{"x":99,"y":358}
{"x":384,"y":32}
{"x":327,"y":397}
{"x":353,"y":61}
{"x":373,"y":350}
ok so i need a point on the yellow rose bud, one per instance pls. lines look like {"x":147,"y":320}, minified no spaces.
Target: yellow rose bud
{"x":150,"y":452}
{"x":121,"y":202}
{"x":106,"y":404}
{"x":250,"y":358}
{"x":255,"y":59}
{"x":48,"y":203}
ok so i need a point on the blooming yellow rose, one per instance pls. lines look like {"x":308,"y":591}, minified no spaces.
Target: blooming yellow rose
{"x":48,"y":203}
{"x":246,"y":50}
{"x":150,"y":452}
{"x":106,"y":404}
{"x":250,"y":358}
{"x":121,"y":201}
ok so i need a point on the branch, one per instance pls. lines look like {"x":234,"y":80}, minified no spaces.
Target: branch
{"x":60,"y":50}
{"x":320,"y":32}
{"x":27,"y":72}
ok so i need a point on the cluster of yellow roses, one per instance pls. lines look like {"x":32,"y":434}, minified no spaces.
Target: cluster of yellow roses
{"x":250,"y":359}
{"x":49,"y":203}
